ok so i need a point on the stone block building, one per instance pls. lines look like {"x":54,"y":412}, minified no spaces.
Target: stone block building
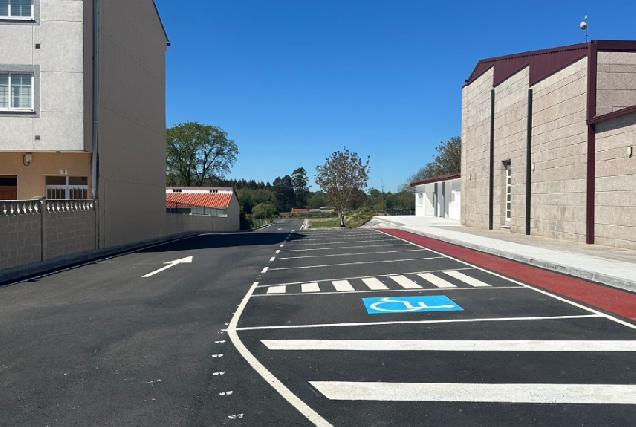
{"x":547,"y":141}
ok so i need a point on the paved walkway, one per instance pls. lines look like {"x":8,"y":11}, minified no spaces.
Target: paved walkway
{"x":611,"y":266}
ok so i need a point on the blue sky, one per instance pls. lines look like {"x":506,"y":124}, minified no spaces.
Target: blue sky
{"x":291,"y":81}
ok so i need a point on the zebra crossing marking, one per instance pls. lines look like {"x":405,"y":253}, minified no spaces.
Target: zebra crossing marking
{"x":466,"y":279}
{"x":405,"y":282}
{"x":436,"y":281}
{"x":375,"y":284}
{"x":343,"y":286}
{"x":310,"y":287}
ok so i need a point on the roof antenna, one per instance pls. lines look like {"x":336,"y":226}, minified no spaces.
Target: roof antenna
{"x":584,"y":27}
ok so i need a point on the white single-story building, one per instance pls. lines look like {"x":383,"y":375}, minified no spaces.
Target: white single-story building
{"x":439,"y":196}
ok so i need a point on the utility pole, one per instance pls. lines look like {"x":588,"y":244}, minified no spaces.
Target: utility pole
{"x":382,"y":194}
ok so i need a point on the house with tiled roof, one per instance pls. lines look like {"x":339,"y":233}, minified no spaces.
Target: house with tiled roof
{"x":218,"y":202}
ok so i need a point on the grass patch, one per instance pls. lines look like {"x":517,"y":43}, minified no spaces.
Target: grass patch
{"x":352,"y":219}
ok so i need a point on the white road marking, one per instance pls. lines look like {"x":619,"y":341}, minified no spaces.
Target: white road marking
{"x":467,"y":279}
{"x":405,"y":282}
{"x":218,"y":373}
{"x":535,"y":289}
{"x":301,"y":406}
{"x":346,"y":247}
{"x":454,"y":345}
{"x":265,"y":270}
{"x":419,"y":322}
{"x":436,"y":281}
{"x":310,"y":287}
{"x":273,"y":258}
{"x":277,"y":290}
{"x":171,"y":264}
{"x":468,"y":392}
{"x":278,"y":251}
{"x":226,"y":393}
{"x":352,"y":254}
{"x":282,"y":246}
{"x":360,"y":277}
{"x":384,"y":290}
{"x":374,"y":284}
{"x":343,"y":286}
{"x":355,"y":263}
{"x":217,"y":355}
{"x":338,"y":243}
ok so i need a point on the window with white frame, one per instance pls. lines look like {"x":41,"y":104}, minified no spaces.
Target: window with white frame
{"x":16,"y":9}
{"x":16,"y":91}
{"x":66,"y":187}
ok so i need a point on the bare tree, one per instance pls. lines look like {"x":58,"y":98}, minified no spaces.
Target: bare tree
{"x":340,"y":177}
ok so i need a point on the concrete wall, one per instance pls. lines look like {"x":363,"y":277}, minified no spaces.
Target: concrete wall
{"x":31,"y":179}
{"x":19,"y":240}
{"x":511,"y":115}
{"x":615,"y":199}
{"x":616,"y":81}
{"x":59,"y":81}
{"x":132,"y":128}
{"x":68,"y":233}
{"x":559,"y":143}
{"x":475,"y":151}
{"x":559,"y":152}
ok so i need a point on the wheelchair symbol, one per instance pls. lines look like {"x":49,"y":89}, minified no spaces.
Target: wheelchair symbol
{"x":401,"y":306}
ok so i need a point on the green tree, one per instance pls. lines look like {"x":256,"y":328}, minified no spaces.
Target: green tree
{"x":343,"y":173}
{"x":264,"y":210}
{"x":316,"y":200}
{"x":448,"y":160}
{"x":284,"y":191}
{"x":301,"y":189}
{"x":197,"y":154}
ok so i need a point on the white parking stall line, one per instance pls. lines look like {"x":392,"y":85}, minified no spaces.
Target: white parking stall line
{"x":277,"y":290}
{"x":302,"y":242}
{"x":374,"y":284}
{"x":421,"y":322}
{"x":455,"y":345}
{"x":343,"y":286}
{"x":351,"y":254}
{"x":354,"y":263}
{"x":466,"y":279}
{"x":350,"y":247}
{"x":436,"y":281}
{"x":405,"y":282}
{"x":607,"y":394}
{"x":310,"y":287}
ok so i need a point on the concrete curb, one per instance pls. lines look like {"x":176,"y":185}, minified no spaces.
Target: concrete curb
{"x":592,"y":276}
{"x":9,"y":275}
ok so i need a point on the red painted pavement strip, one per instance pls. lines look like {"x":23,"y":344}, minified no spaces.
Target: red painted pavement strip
{"x":612,"y":300}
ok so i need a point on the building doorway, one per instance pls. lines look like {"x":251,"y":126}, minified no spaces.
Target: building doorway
{"x":8,"y":187}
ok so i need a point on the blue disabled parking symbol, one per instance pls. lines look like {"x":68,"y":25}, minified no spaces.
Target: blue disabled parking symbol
{"x":386,"y":305}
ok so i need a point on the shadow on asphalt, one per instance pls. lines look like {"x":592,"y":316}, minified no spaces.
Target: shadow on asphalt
{"x":211,"y":241}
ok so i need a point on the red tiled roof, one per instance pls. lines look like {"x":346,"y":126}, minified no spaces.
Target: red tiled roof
{"x":215,"y":200}
{"x":438,"y":178}
{"x":296,"y":210}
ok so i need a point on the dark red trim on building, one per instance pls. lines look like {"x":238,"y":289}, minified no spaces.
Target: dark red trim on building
{"x":612,"y":115}
{"x":542,"y":63}
{"x":592,"y":71}
{"x":438,"y":178}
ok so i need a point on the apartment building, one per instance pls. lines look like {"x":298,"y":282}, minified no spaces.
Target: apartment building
{"x":82,"y":109}
{"x":547,"y":139}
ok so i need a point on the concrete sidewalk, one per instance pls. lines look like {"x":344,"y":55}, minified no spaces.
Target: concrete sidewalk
{"x":607,"y":265}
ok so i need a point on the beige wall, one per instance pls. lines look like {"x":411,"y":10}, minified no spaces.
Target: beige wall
{"x":475,"y":151}
{"x":511,"y":123}
{"x":59,"y":119}
{"x":132,"y":141}
{"x":559,"y":152}
{"x":31,"y":178}
{"x":616,"y":81}
{"x":615,"y":199}
{"x":233,"y":215}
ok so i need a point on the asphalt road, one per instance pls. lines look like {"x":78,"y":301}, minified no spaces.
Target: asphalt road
{"x":290,"y":327}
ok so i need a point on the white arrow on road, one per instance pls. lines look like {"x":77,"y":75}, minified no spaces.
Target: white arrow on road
{"x":170,"y":264}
